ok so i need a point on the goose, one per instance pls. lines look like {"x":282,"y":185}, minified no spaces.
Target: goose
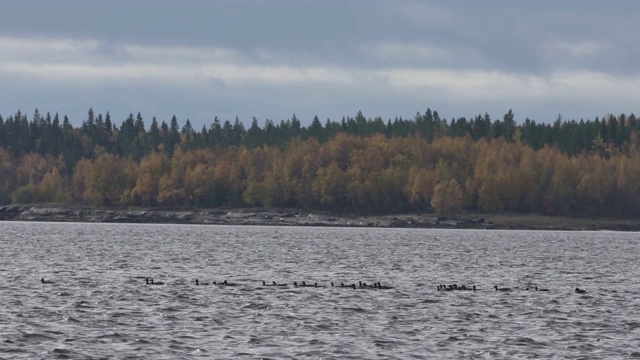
{"x":541,"y":289}
{"x":364,"y":285}
{"x":384,"y":287}
{"x":149,"y":281}
{"x":580,"y":291}
{"x":224,"y":283}
{"x":46,"y":281}
{"x":353,"y":286}
{"x":201,"y":283}
{"x":501,"y":289}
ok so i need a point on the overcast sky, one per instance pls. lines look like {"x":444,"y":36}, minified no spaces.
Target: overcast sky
{"x":271,"y":59}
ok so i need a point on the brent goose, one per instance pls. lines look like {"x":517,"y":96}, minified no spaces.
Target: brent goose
{"x":149,"y":281}
{"x":224,"y":283}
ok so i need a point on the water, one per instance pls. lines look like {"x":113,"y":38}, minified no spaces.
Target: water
{"x":99,"y":307}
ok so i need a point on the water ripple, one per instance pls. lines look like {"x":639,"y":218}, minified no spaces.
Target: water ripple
{"x":99,"y":306}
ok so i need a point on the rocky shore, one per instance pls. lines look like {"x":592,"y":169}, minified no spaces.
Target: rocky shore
{"x":299,"y":218}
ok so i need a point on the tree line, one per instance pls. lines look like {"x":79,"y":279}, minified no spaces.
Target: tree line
{"x":354,"y":165}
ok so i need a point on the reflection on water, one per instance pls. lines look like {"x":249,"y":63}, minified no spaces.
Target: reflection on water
{"x":99,"y":306}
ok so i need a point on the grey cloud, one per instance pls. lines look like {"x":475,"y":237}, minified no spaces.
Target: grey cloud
{"x":517,"y":38}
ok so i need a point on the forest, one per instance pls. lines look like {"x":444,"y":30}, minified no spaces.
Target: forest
{"x":356,"y":165}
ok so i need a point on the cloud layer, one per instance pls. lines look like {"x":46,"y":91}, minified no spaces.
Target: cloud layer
{"x":386,"y":61}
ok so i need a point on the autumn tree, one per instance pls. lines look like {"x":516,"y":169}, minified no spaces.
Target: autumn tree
{"x":447,"y":197}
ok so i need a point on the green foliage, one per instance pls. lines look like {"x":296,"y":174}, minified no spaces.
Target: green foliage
{"x":359,"y":164}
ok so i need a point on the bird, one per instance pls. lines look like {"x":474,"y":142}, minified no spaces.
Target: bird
{"x":501,"y":289}
{"x":540,"y":289}
{"x":353,"y":286}
{"x":364,"y":285}
{"x":46,"y":281}
{"x":201,"y":283}
{"x":224,"y":283}
{"x":580,"y":291}
{"x":149,"y":281}
{"x":273,"y":283}
{"x":384,"y":287}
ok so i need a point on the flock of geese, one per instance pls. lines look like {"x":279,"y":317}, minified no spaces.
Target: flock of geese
{"x":455,"y":287}
{"x":360,"y":285}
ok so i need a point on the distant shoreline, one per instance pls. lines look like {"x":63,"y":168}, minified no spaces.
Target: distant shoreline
{"x":288,"y":217}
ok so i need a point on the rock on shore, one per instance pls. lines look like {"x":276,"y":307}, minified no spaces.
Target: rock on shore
{"x":232,"y":217}
{"x":303,"y":218}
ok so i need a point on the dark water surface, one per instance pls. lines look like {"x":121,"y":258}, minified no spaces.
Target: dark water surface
{"x":99,"y":306}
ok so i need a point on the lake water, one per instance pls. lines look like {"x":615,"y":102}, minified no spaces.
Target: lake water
{"x":98,"y":305}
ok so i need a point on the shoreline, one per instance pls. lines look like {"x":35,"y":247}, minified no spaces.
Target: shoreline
{"x":281,"y":217}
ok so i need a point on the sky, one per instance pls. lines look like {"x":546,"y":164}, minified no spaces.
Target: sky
{"x":270,"y":59}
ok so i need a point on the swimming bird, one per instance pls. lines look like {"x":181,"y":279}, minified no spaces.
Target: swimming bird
{"x":541,"y":289}
{"x":364,"y":285}
{"x":580,"y":291}
{"x":201,"y":283}
{"x":501,"y":289}
{"x":384,"y":287}
{"x":149,"y":281}
{"x":224,"y":283}
{"x":353,"y":286}
{"x":46,"y":281}
{"x":273,"y":283}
